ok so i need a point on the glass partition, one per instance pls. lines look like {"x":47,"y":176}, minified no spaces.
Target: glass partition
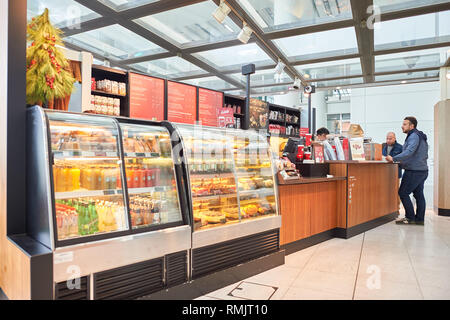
{"x":152,"y":188}
{"x":87,"y":175}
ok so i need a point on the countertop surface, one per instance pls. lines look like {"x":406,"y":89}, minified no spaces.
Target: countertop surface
{"x":359,"y":162}
{"x":303,"y":180}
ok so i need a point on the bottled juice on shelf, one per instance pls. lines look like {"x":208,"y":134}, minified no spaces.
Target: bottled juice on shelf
{"x":148,"y":176}
{"x":75,"y":172}
{"x":136,"y":182}
{"x":156,"y":176}
{"x":105,"y":183}
{"x":130,"y":179}
{"x":67,"y":182}
{"x":98,"y":180}
{"x":118,"y":179}
{"x":141,"y":177}
{"x":113,"y":174}
{"x":57,"y":178}
{"x":93,"y":224}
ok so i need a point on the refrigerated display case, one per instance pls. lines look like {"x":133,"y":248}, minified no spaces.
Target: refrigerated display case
{"x":104,"y":197}
{"x":233,"y":197}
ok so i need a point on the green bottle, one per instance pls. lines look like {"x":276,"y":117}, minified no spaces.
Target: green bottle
{"x":93,"y":218}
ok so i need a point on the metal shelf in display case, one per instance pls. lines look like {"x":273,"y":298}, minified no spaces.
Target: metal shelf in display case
{"x":237,"y":200}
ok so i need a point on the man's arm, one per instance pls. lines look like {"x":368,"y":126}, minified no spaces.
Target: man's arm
{"x":409,"y":151}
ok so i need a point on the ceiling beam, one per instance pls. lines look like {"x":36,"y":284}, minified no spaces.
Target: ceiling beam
{"x":411,"y":48}
{"x":364,"y":36}
{"x":309,"y":29}
{"x":405,"y":13}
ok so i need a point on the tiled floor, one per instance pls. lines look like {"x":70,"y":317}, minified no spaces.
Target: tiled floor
{"x":389,"y":262}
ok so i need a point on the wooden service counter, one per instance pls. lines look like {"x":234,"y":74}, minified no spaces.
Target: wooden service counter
{"x":360,"y":196}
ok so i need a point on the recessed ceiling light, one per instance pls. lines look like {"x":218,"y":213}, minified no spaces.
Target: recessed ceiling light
{"x":338,"y":88}
{"x":306,"y":76}
{"x":404,"y":81}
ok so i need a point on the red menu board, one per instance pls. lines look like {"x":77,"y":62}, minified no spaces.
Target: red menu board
{"x":209,"y":104}
{"x":146,"y":97}
{"x":181,"y":103}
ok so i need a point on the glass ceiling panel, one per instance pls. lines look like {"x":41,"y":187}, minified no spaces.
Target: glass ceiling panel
{"x":273,"y":15}
{"x":406,"y":76}
{"x":411,"y":60}
{"x":63,"y":13}
{"x":116,"y":42}
{"x":214,"y":83}
{"x":396,"y":5}
{"x":120,"y":5}
{"x":331,"y":69}
{"x":263,"y":77}
{"x":413,"y":31}
{"x":319,"y":44}
{"x":271,"y":90}
{"x":235,"y":56}
{"x":338,"y":83}
{"x":191,"y":25}
{"x":173,"y":67}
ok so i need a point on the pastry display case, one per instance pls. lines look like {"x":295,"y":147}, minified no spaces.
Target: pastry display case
{"x":230,"y":176}
{"x":212,"y":178}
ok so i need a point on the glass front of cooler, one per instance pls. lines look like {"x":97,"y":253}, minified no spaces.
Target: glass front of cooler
{"x":255,"y":175}
{"x":230,"y":176}
{"x":150,"y":172}
{"x":212,"y":177}
{"x":87,"y":176}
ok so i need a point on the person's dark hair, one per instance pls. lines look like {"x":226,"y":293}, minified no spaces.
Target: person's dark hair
{"x":413,"y":120}
{"x":323,"y":131}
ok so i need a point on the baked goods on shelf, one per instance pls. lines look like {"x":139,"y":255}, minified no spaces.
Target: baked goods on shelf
{"x":231,"y":213}
{"x":213,"y":216}
{"x":268,"y":183}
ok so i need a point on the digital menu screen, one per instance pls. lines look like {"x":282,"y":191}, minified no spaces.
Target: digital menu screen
{"x":181,"y":103}
{"x":146,"y":97}
{"x":209,"y":104}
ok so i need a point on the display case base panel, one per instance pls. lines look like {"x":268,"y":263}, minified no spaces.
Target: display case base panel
{"x":176,"y":268}
{"x":363,"y":227}
{"x":220,"y":279}
{"x":119,"y":252}
{"x":77,"y":289}
{"x":223,"y":255}
{"x":130,"y":282}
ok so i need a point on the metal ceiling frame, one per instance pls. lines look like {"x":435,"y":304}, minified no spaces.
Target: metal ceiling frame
{"x":365,"y":38}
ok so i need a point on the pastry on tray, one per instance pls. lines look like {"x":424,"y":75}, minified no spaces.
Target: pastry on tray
{"x":213,"y":216}
{"x":231,"y":213}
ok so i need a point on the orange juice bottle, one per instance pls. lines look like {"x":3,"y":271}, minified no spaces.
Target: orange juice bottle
{"x":64,"y":178}
{"x":56,"y":180}
{"x":75,"y":178}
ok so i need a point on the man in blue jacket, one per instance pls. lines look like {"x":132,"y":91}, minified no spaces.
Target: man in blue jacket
{"x":392,"y":148}
{"x":413,"y":160}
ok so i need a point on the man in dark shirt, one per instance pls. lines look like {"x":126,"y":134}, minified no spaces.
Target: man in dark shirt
{"x":392,"y":148}
{"x":414,"y":160}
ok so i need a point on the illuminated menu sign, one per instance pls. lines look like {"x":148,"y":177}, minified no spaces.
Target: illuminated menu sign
{"x":146,"y":97}
{"x":209,"y":104}
{"x":181,"y":103}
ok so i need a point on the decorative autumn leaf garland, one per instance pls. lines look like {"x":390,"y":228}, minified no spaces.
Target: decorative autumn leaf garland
{"x":47,"y":68}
